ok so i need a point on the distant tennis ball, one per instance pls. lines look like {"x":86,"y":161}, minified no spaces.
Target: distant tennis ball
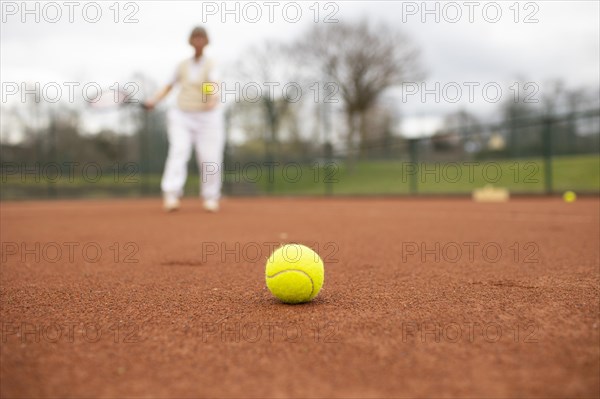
{"x":208,"y":88}
{"x":294,"y":273}
{"x":569,"y":196}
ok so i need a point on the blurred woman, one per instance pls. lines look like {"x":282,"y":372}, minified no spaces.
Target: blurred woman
{"x":195,"y":121}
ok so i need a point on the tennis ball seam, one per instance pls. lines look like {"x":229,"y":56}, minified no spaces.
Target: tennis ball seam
{"x":312,"y":284}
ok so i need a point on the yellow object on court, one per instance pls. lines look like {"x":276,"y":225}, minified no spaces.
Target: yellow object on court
{"x":294,"y":273}
{"x":490,"y":193}
{"x":569,"y":196}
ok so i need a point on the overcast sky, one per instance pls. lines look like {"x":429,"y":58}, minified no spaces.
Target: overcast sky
{"x":561,"y":40}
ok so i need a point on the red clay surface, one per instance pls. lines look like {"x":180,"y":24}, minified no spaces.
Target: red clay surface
{"x":193,"y":318}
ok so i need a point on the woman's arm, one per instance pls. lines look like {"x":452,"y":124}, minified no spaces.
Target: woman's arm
{"x":158,"y":97}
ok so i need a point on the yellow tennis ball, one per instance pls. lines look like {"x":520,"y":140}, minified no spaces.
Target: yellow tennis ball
{"x":294,"y":273}
{"x":208,"y":88}
{"x":569,"y":196}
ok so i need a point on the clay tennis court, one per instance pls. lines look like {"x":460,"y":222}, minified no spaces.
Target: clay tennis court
{"x":422,"y":297}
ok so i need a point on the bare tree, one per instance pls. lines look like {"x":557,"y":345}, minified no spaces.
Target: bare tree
{"x":267,"y":68}
{"x":363,"y":60}
{"x":552,"y":97}
{"x":516,"y":112}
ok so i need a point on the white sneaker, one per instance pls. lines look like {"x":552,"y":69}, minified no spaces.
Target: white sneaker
{"x":211,"y":205}
{"x":170,"y":202}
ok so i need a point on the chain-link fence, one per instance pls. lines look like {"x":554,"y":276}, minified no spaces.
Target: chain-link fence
{"x":535,"y":155}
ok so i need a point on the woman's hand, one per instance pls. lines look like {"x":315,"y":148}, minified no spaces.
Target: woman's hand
{"x":149,"y":105}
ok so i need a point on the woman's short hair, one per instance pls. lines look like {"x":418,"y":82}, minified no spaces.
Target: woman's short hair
{"x":198,"y":31}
